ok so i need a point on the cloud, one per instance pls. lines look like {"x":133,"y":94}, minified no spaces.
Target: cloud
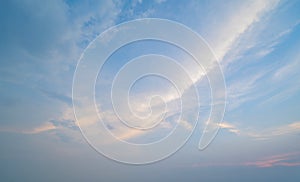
{"x":40,"y":45}
{"x":43,"y":128}
{"x":62,"y":128}
{"x":47,"y":126}
{"x":242,"y":41}
{"x":160,"y":1}
{"x":186,"y":125}
{"x":281,"y":78}
{"x":267,"y":133}
{"x":268,"y":46}
{"x":230,"y":127}
{"x":57,"y":96}
{"x":245,"y":81}
{"x":248,"y":69}
{"x":242,"y":90}
{"x":91,"y":18}
{"x":288,"y":69}
{"x":43,"y":48}
{"x":78,"y":23}
{"x":288,"y":160}
{"x":225,"y":35}
{"x":87,"y":24}
{"x":224,"y":39}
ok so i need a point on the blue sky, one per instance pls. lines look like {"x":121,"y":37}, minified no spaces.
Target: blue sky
{"x":256,"y":44}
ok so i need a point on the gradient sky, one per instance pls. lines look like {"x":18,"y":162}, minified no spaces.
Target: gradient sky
{"x":257,"y":44}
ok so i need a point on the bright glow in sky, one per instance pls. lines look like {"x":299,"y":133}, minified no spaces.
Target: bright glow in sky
{"x":257,"y":45}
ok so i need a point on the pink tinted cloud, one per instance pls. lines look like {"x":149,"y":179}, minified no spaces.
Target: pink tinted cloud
{"x":288,"y":159}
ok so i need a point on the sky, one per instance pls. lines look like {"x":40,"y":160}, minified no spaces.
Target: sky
{"x":254,"y":43}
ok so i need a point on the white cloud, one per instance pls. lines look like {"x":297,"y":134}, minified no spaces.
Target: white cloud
{"x":224,"y":37}
{"x":291,"y":67}
{"x":234,"y":24}
{"x":267,"y":133}
{"x":231,"y":37}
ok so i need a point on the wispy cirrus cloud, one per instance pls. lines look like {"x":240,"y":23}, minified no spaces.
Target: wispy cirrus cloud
{"x":225,"y":38}
{"x":259,"y":134}
{"x":47,"y":126}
